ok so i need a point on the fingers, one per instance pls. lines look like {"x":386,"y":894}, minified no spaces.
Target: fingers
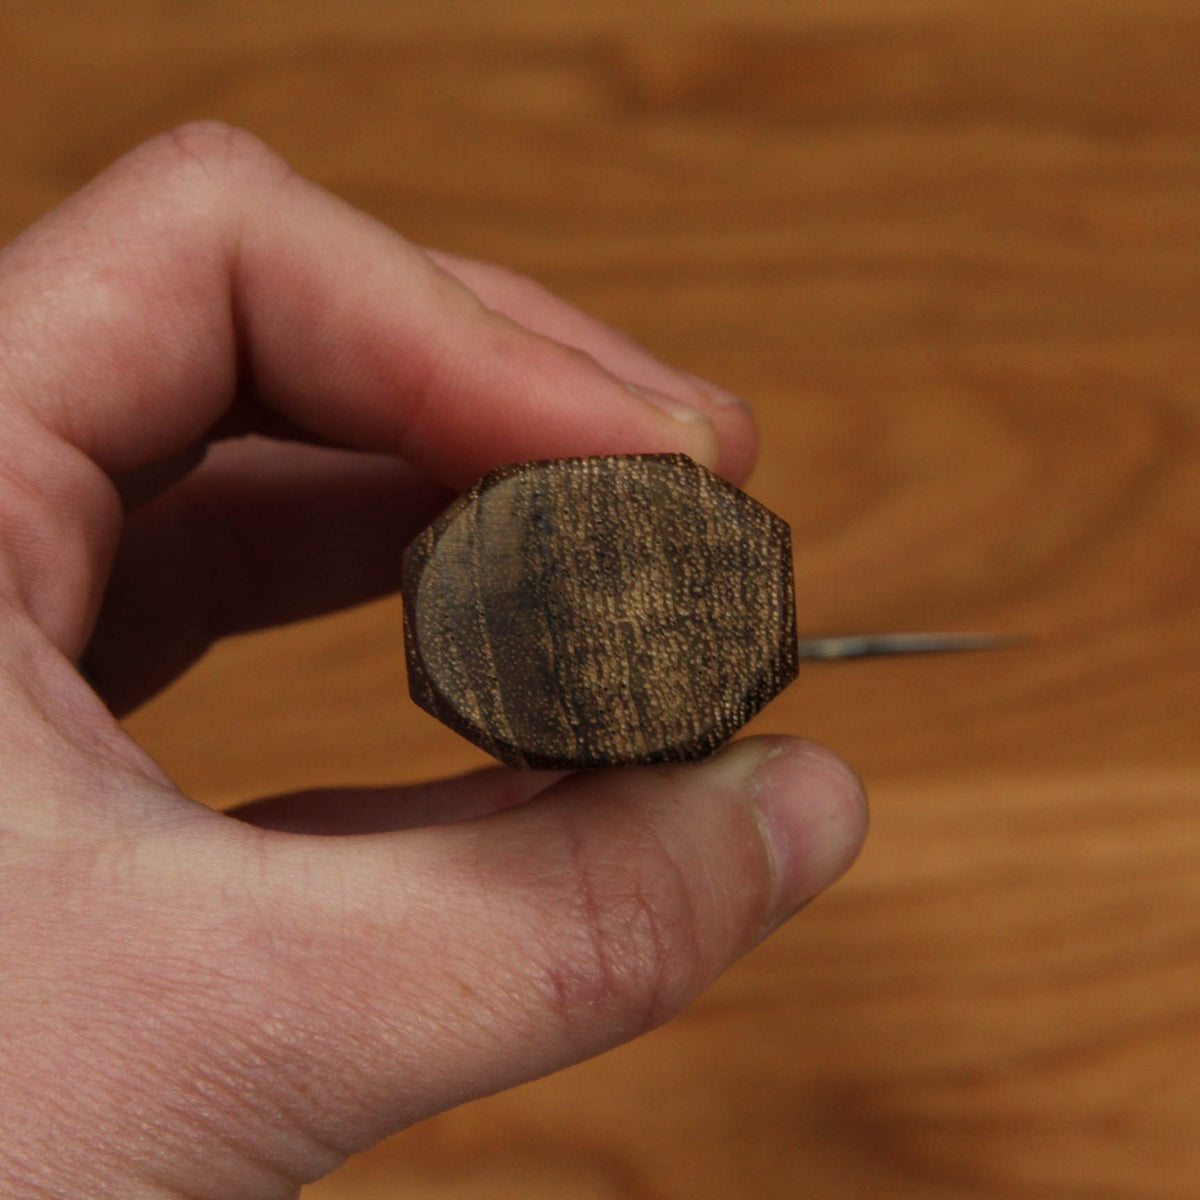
{"x":536,"y":308}
{"x":261,"y":533}
{"x":539,"y":936}
{"x":204,"y":237}
{"x":200,"y":269}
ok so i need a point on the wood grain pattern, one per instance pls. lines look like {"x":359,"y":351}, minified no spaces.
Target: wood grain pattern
{"x":951,"y":251}
{"x":600,"y":612}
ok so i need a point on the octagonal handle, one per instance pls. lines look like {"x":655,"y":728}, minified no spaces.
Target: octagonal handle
{"x":599,"y":612}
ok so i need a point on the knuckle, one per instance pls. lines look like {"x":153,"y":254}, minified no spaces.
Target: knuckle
{"x":217,"y":150}
{"x":626,"y":942}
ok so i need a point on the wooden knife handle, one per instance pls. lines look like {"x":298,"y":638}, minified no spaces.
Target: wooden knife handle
{"x":600,"y":612}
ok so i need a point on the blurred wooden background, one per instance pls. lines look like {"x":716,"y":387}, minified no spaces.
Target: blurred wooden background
{"x":951,"y":251}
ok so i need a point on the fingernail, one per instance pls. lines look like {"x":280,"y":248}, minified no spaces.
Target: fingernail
{"x":687,"y":413}
{"x":706,"y":445}
{"x":813,"y":814}
{"x":718,"y":396}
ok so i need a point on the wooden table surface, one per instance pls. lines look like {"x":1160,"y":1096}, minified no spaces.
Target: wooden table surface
{"x":951,"y":251}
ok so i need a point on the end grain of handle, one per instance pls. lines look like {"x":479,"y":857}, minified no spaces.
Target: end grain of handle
{"x":600,"y":612}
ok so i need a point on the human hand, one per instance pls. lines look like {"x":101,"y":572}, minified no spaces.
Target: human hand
{"x":193,"y":1005}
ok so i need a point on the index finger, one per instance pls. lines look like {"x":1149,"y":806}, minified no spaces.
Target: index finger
{"x":200,"y":268}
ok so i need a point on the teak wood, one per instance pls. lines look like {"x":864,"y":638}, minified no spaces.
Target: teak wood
{"x":600,"y":612}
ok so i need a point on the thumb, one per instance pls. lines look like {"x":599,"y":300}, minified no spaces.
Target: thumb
{"x":473,"y":956}
{"x":215,"y":1009}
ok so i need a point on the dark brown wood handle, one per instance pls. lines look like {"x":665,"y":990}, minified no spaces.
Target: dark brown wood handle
{"x":600,"y":612}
